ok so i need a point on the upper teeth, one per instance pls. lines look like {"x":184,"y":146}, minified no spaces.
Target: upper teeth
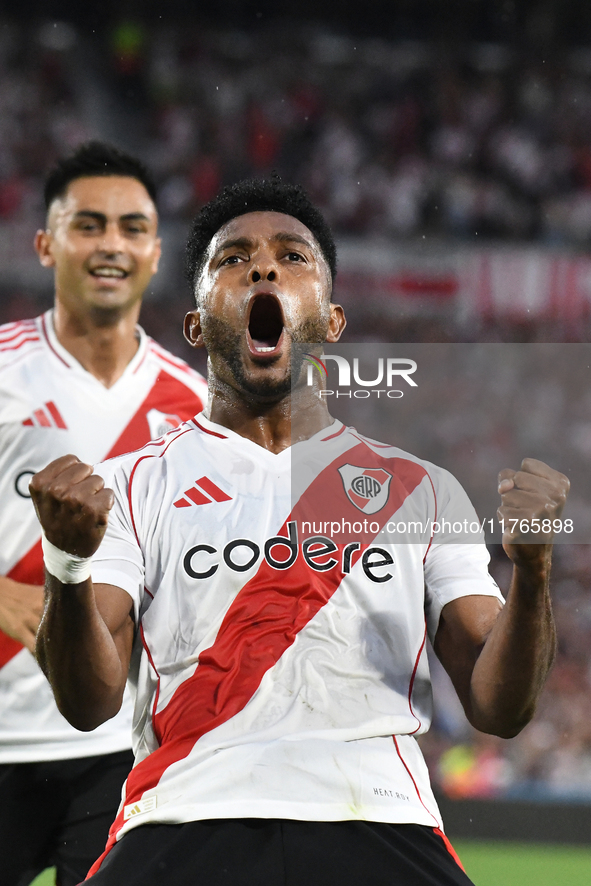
{"x":264,"y":350}
{"x":109,"y":272}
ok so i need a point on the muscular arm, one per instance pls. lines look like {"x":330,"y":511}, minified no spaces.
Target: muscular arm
{"x":84,"y":646}
{"x":86,"y":633}
{"x":21,"y":606}
{"x":498,"y":657}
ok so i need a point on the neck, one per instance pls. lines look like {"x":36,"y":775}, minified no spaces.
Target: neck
{"x":275,"y":426}
{"x":103,"y":344}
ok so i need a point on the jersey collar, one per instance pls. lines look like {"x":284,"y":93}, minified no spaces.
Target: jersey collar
{"x":324,"y":436}
{"x":60,"y":353}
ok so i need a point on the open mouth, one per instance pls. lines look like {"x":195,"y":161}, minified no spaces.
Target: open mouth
{"x":108,"y":271}
{"x":265,"y":325}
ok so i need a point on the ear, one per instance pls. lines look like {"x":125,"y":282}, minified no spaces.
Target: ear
{"x":157,"y":254}
{"x":336,"y":324}
{"x":43,"y":242}
{"x":192,"y":329}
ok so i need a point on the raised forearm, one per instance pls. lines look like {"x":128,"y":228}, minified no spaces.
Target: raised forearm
{"x":498,"y":657}
{"x":86,"y":633}
{"x":512,"y":665}
{"x":79,"y":655}
{"x":511,"y":669}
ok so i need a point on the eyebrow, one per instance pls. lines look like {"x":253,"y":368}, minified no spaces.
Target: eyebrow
{"x":100,"y":216}
{"x":246,"y":242}
{"x":284,"y":237}
{"x":242,"y":242}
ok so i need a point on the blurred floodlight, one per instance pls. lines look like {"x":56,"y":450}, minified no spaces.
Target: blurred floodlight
{"x":57,"y":36}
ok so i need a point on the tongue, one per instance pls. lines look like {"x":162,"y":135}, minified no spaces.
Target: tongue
{"x":265,"y":342}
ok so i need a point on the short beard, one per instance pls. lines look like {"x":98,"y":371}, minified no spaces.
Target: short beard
{"x":220,"y":339}
{"x":105,"y":318}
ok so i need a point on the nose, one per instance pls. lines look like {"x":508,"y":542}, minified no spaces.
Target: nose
{"x":256,"y":276}
{"x":263,"y":268}
{"x":112,"y":241}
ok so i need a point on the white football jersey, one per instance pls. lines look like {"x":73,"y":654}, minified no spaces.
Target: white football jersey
{"x":283,"y":604}
{"x":51,"y":406}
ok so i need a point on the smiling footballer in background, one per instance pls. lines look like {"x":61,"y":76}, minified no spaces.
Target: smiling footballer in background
{"x":280,"y":679}
{"x":84,"y":377}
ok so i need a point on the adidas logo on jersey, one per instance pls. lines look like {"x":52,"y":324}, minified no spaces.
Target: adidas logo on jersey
{"x":204,"y":495}
{"x":139,"y":808}
{"x":48,"y":416}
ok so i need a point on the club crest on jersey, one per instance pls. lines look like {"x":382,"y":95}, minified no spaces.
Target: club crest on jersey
{"x":161,"y":423}
{"x":366,"y":488}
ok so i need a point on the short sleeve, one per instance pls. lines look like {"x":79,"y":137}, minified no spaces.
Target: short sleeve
{"x":456,"y":564}
{"x":119,"y":560}
{"x":453,"y":571}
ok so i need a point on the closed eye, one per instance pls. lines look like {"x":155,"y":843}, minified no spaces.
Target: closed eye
{"x":88,"y":226}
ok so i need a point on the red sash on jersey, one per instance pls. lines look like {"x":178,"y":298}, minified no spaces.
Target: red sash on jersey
{"x":29,"y":570}
{"x":167,"y":394}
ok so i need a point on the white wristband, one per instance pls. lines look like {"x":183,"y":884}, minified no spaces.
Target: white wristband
{"x":67,"y":568}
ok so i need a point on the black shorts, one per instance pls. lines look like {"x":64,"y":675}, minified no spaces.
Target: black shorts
{"x":270,"y":852}
{"x":58,"y":813}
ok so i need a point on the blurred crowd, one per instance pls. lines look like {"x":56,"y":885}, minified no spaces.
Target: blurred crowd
{"x":402,"y":139}
{"x":397,"y":138}
{"x":41,"y":111}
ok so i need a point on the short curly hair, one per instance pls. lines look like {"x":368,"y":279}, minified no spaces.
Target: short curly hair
{"x":256,"y":195}
{"x":91,"y":159}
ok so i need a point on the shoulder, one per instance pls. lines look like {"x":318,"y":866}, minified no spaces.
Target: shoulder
{"x":412,"y":470}
{"x":151,"y":458}
{"x":19,"y":340}
{"x":177,"y":368}
{"x":392,"y":453}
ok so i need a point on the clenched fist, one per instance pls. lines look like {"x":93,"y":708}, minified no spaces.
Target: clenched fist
{"x":72,"y":505}
{"x":531,"y":499}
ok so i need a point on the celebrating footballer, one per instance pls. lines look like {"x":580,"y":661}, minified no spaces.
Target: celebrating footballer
{"x":84,"y":377}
